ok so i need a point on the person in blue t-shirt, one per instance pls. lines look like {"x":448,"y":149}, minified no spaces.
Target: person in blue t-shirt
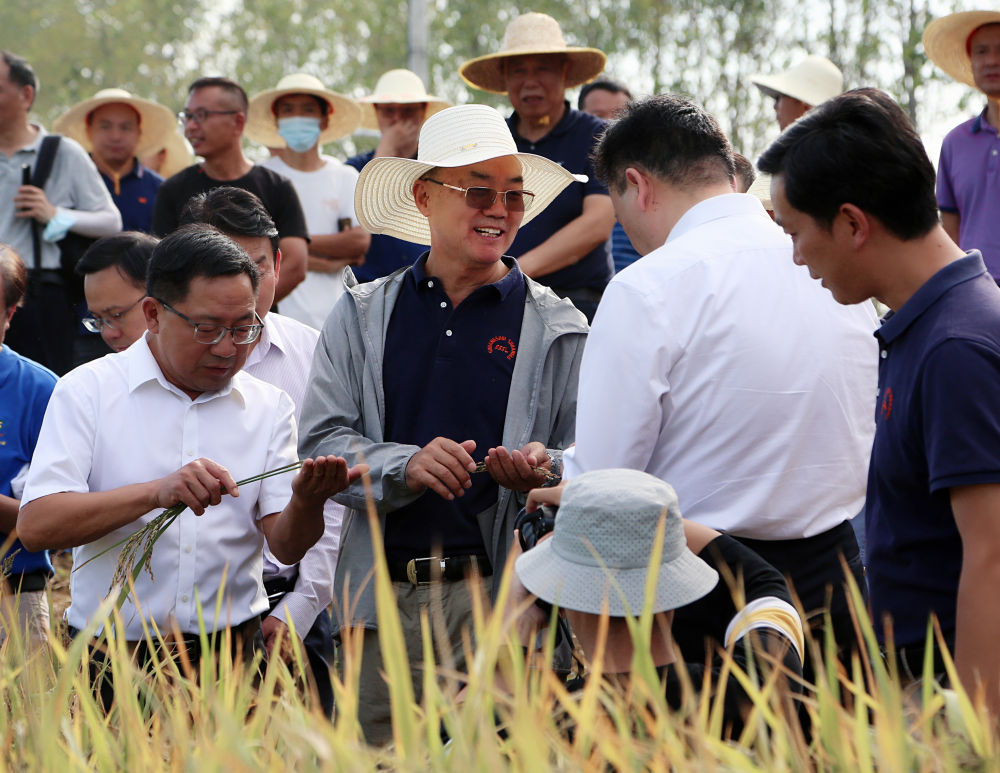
{"x":854,"y":188}
{"x":25,"y":387}
{"x":568,"y":247}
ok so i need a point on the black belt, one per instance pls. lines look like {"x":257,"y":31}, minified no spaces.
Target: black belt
{"x":276,"y":588}
{"x":418,"y":571}
{"x":28,"y":582}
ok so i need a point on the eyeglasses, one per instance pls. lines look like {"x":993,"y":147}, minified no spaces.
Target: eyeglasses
{"x":483,"y":198}
{"x":94,"y":323}
{"x":201,"y":115}
{"x":210,"y":334}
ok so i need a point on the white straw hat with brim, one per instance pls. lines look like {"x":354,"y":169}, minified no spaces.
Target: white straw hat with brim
{"x":532,"y":33}
{"x":813,"y":80}
{"x":262,"y":125}
{"x":400,"y":87}
{"x":155,"y":120}
{"x":761,"y":188}
{"x":602,"y":544}
{"x":946,"y":42}
{"x":454,"y":137}
{"x":179,"y":154}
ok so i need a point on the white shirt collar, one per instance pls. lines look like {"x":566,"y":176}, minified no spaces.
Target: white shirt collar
{"x":715,"y":208}
{"x":143,"y":368}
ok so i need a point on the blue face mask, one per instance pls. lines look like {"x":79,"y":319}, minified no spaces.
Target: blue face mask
{"x":300,"y":132}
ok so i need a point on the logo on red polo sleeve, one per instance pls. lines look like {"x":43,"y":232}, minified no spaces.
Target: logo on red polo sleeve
{"x":503,"y":345}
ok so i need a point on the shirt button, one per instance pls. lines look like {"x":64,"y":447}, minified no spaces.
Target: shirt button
{"x":884,"y":354}
{"x":444,"y":304}
{"x":184,"y":597}
{"x":447,"y":332}
{"x":187,"y":548}
{"x":430,"y":282}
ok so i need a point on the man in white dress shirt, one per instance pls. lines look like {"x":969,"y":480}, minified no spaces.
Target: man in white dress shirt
{"x":303,"y":592}
{"x":172,"y":419}
{"x":719,"y":366}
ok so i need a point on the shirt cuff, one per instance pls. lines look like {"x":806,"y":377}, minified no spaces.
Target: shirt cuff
{"x":299,"y":609}
{"x":58,"y":226}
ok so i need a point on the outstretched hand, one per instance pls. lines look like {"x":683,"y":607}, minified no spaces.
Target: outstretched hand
{"x":516,"y":469}
{"x":323,"y":477}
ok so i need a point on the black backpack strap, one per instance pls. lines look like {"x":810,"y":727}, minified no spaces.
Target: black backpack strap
{"x":43,"y":167}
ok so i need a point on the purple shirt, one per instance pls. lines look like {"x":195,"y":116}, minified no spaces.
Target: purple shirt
{"x":968,"y":185}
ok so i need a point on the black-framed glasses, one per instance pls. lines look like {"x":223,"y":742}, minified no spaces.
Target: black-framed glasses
{"x":201,"y":115}
{"x":210,"y":334}
{"x":95,"y":323}
{"x":483,"y":198}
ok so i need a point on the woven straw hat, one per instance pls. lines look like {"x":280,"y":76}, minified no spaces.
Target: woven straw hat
{"x":813,"y":81}
{"x":601,"y":547}
{"x":457,"y":136}
{"x":400,"y":87}
{"x":155,"y":121}
{"x":532,"y":33}
{"x":761,"y":188}
{"x":179,"y":154}
{"x":262,"y":126}
{"x":946,"y":42}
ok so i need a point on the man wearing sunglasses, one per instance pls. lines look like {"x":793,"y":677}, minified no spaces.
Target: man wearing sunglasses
{"x":172,"y":419}
{"x":456,"y":359}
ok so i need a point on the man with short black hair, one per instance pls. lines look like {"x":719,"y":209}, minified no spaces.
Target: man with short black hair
{"x":34,"y":220}
{"x":854,"y":187}
{"x":302,"y":592}
{"x":214,"y":118}
{"x":717,"y":365}
{"x":603,"y":97}
{"x":25,"y":388}
{"x":96,"y":479}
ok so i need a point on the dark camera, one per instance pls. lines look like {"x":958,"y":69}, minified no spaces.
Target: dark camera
{"x":533,"y":526}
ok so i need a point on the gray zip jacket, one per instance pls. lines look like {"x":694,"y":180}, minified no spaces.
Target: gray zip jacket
{"x":344,"y":414}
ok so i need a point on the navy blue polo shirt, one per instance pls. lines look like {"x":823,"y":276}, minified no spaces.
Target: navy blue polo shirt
{"x":385,"y":253}
{"x":447,"y":373}
{"x":569,"y":145}
{"x":134,"y":195}
{"x":937,"y":426}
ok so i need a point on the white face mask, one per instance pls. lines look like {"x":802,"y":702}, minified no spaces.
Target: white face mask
{"x":300,"y":132}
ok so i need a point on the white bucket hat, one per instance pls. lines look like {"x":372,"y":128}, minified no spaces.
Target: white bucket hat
{"x":946,"y":42}
{"x":456,"y":136}
{"x":401,"y":87}
{"x":262,"y":126}
{"x":601,"y":547}
{"x":532,"y":33}
{"x":813,"y":80}
{"x":155,"y":121}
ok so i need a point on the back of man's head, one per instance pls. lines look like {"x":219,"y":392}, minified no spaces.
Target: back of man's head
{"x":745,"y":173}
{"x":231,"y":88}
{"x":671,"y":138}
{"x":192,"y":251}
{"x":20,"y":73}
{"x":14,"y":276}
{"x":859,"y":148}
{"x":233,"y":211}
{"x":603,"y":83}
{"x":128,"y":251}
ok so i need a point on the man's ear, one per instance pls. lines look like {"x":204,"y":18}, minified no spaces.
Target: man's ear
{"x":421,"y":196}
{"x":639,"y":180}
{"x":277,"y":261}
{"x":151,"y":311}
{"x":858,"y":224}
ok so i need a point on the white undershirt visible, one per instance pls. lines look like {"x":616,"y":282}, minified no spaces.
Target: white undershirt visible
{"x":718,"y":365}
{"x":326,"y":195}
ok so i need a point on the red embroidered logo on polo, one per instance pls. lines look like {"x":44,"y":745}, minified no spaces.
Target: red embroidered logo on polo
{"x":503,"y":345}
{"x":887,"y":404}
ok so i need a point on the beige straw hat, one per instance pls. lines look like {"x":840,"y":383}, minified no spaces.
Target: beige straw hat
{"x":532,"y":33}
{"x":454,"y":137}
{"x":812,"y":81}
{"x":179,"y":154}
{"x":946,"y":42}
{"x":262,"y":126}
{"x":761,"y":188}
{"x":155,"y":120}
{"x":400,"y":87}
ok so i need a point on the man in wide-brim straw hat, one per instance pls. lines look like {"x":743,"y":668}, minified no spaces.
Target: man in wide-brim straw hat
{"x":397,"y":108}
{"x":967,"y":47}
{"x":117,"y":129}
{"x":294,"y":120}
{"x":456,"y":359}
{"x":801,"y":87}
{"x":566,"y":248}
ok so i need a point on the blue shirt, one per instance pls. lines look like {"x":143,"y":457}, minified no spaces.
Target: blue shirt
{"x":937,"y":426}
{"x":25,"y":388}
{"x":622,"y":251}
{"x":968,"y":184}
{"x":385,"y":253}
{"x":135,"y":195}
{"x":447,"y":373}
{"x":569,"y":145}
